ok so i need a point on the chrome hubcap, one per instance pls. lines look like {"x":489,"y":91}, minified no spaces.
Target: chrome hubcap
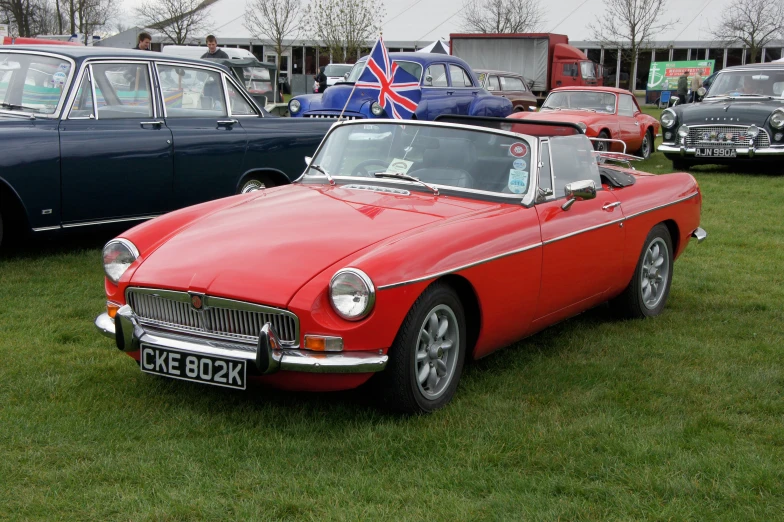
{"x":438,"y":345}
{"x":252,"y":186}
{"x":655,"y":273}
{"x":646,"y":147}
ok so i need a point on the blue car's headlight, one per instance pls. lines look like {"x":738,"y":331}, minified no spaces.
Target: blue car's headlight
{"x":376,"y":109}
{"x":294,"y":106}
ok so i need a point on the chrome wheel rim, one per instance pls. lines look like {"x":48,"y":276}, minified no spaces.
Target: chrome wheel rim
{"x":655,"y":273}
{"x":601,"y":146}
{"x":438,"y":347}
{"x":646,"y":147}
{"x":252,"y":186}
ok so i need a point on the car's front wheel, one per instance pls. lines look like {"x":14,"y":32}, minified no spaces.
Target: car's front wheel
{"x":647,"y":292}
{"x":647,"y":145}
{"x":426,"y":359}
{"x":602,"y":146}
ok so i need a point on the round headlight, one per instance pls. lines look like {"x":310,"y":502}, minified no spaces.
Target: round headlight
{"x":582,"y":126}
{"x":352,"y":294}
{"x":753,"y":132}
{"x":683,"y":131}
{"x":668,"y":119}
{"x":294,"y":106}
{"x":702,"y":91}
{"x":118,"y":254}
{"x":376,"y":109}
{"x":777,"y":120}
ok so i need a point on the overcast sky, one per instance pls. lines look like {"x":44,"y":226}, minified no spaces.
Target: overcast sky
{"x":430,"y":19}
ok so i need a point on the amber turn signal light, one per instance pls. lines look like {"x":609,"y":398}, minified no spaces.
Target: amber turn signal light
{"x":323,"y":343}
{"x":111,"y":308}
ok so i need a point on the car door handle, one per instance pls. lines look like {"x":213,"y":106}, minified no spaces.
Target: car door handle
{"x":227,"y":122}
{"x":156,"y":123}
{"x":450,"y":92}
{"x":609,"y":206}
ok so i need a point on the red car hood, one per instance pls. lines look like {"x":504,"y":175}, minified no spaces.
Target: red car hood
{"x":265,"y":249}
{"x":562,"y":115}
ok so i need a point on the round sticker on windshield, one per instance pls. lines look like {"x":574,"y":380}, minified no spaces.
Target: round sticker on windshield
{"x":58,"y":78}
{"x":520,"y":164}
{"x":518,"y":150}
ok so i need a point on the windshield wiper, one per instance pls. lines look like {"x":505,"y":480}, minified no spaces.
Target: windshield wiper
{"x":583,"y":109}
{"x":405,"y":177}
{"x":18,"y":107}
{"x":551,"y":108}
{"x":320,"y":169}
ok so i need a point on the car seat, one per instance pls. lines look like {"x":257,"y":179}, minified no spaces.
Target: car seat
{"x":449,"y":164}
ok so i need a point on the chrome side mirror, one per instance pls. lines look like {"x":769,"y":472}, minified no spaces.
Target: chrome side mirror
{"x":308,"y":159}
{"x":579,"y":191}
{"x":532,"y":108}
{"x":428,"y":80}
{"x":345,"y":76}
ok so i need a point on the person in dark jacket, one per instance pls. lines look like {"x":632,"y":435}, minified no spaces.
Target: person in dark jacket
{"x":683,"y":86}
{"x":321,"y":79}
{"x":144,"y":40}
{"x":214,"y":52}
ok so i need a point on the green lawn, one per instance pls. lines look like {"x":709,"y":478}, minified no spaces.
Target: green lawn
{"x":676,"y":418}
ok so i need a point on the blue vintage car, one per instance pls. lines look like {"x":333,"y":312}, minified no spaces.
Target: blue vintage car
{"x":448,"y":87}
{"x":94,"y":136}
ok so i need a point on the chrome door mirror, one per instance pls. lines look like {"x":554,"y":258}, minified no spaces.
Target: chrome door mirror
{"x":579,"y":191}
{"x":308,"y":159}
{"x":428,"y":80}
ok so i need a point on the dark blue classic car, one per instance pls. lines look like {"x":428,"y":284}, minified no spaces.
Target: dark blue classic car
{"x":94,"y":136}
{"x":448,"y":87}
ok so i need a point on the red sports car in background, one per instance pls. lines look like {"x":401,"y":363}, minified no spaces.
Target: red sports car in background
{"x":606,"y":113}
{"x":404,"y":249}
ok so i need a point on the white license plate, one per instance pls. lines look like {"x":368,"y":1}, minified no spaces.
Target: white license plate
{"x":716,"y":153}
{"x":207,"y":369}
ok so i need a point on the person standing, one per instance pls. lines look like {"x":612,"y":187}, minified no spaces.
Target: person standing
{"x":683,"y":86}
{"x":696,"y":83}
{"x":214,"y":52}
{"x":144,"y":40}
{"x":321,"y":79}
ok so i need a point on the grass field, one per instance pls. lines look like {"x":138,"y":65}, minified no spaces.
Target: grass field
{"x":676,"y":418}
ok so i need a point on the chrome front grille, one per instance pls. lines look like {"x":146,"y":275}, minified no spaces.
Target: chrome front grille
{"x":730,"y":136}
{"x":218,"y":317}
{"x":332,"y":116}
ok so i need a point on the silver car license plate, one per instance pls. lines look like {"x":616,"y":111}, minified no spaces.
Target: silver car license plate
{"x":207,"y":369}
{"x":719,"y":152}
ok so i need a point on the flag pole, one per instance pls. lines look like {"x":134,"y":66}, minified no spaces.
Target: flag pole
{"x":380,"y":34}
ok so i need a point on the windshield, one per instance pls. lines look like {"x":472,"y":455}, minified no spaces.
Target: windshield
{"x":740,"y":83}
{"x":445,"y":156}
{"x":32,"y":83}
{"x":257,"y":80}
{"x":412,"y":68}
{"x":587,"y":100}
{"x":588,"y":70}
{"x":335,"y":69}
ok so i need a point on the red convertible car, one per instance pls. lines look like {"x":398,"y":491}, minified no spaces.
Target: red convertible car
{"x":604,"y":113}
{"x":403,"y":250}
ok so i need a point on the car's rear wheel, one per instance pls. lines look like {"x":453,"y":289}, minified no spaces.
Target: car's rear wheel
{"x":426,"y":359}
{"x":252,"y":184}
{"x":1,"y":226}
{"x":602,"y":146}
{"x":647,"y":292}
{"x":647,"y":145}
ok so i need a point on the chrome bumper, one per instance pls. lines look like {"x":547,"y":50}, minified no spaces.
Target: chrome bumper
{"x":268,"y":356}
{"x":699,"y":235}
{"x":747,"y":152}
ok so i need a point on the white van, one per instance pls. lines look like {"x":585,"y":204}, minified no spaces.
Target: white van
{"x":192,"y":51}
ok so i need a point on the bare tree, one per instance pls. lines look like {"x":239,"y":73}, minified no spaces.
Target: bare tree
{"x":502,"y":16}
{"x":177,"y":19}
{"x":753,"y":23}
{"x":31,"y":17}
{"x":628,"y":25}
{"x":344,"y":26}
{"x":278,"y":20}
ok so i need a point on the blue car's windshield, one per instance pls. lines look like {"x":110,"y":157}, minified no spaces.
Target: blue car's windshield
{"x":412,"y":68}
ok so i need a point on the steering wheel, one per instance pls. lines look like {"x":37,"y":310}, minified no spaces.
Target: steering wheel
{"x":361,"y":168}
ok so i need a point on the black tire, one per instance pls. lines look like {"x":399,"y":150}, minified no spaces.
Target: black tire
{"x":1,"y":226}
{"x":602,"y":146}
{"x":633,"y":303}
{"x":646,"y":149}
{"x":254,"y":183}
{"x":399,"y":384}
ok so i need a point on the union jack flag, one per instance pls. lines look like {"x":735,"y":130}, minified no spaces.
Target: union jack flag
{"x":398,"y":90}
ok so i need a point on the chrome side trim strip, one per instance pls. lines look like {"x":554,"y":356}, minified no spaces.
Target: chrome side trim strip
{"x":108,"y":221}
{"x":44,"y":229}
{"x":584,"y":230}
{"x":459,"y":268}
{"x":663,"y":206}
